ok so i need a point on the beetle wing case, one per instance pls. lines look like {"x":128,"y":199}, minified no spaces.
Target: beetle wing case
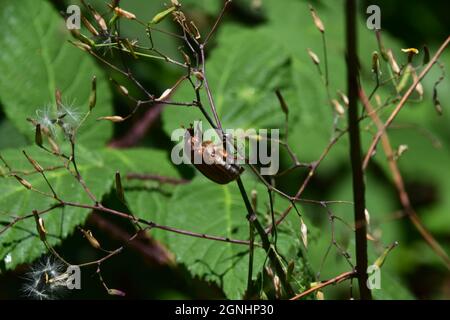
{"x":211,"y":161}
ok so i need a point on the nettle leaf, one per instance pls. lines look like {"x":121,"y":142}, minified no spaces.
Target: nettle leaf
{"x":21,"y":243}
{"x":243,"y":73}
{"x":36,"y":59}
{"x":205,"y":207}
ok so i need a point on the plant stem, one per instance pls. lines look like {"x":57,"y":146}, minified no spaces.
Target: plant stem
{"x":265,"y":241}
{"x":356,"y":151}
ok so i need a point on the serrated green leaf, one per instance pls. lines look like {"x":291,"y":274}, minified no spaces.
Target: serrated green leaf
{"x":243,"y":74}
{"x":36,"y":59}
{"x":21,"y":243}
{"x":205,"y":207}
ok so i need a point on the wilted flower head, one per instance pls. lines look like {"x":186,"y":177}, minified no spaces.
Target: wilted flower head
{"x":42,"y":281}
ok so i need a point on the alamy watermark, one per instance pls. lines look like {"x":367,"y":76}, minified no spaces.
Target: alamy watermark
{"x":239,"y":146}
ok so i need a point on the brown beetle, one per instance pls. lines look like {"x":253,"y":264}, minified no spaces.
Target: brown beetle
{"x":211,"y":160}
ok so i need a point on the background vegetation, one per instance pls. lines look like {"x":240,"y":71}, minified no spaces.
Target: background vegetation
{"x":260,"y":46}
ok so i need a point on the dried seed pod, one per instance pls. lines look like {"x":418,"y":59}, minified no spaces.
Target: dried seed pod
{"x":38,"y":135}
{"x":282,"y":102}
{"x":90,"y":237}
{"x":215,"y":163}
{"x":116,"y":292}
{"x":313,"y":56}
{"x":23,"y":182}
{"x":304,"y":233}
{"x":338,"y":107}
{"x":33,"y":162}
{"x":316,"y":19}
{"x":194,"y":30}
{"x":112,"y":118}
{"x":40,"y":226}
{"x":375,"y":63}
{"x":164,"y":95}
{"x":90,"y":27}
{"x":125,"y":14}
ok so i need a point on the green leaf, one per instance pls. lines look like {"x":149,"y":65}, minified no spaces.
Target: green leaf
{"x":36,"y":59}
{"x":205,"y":207}
{"x":146,"y":199}
{"x":243,"y":73}
{"x":21,"y":243}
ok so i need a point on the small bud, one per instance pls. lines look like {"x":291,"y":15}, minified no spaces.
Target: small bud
{"x":162,"y":15}
{"x":93,"y":95}
{"x":375,"y":63}
{"x":125,"y":14}
{"x":175,"y":3}
{"x":419,"y":87}
{"x":313,"y":57}
{"x":282,"y":102}
{"x":90,"y":27}
{"x":82,"y":38}
{"x":367,"y":215}
{"x":187,"y":59}
{"x":88,"y":235}
{"x":120,"y":88}
{"x":40,"y":226}
{"x":411,"y":53}
{"x":290,"y":270}
{"x":33,"y":162}
{"x":381,"y":259}
{"x":401,"y":150}
{"x":164,"y":95}
{"x":119,"y":187}
{"x":112,"y":118}
{"x":277,"y":286}
{"x":393,"y":63}
{"x":101,"y":22}
{"x":378,"y":100}
{"x":338,"y":107}
{"x":304,"y":233}
{"x":23,"y":182}
{"x":343,"y":97}
{"x":316,"y":19}
{"x":115,"y":292}
{"x":38,"y":135}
